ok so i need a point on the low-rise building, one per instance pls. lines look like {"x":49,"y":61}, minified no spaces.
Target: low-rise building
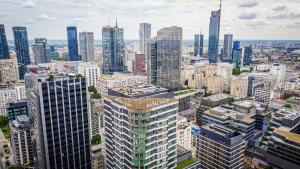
{"x":98,"y":157}
{"x":9,"y":71}
{"x":239,"y":87}
{"x":91,"y":73}
{"x":184,"y":133}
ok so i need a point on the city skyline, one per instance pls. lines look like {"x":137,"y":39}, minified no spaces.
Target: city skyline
{"x":246,"y":19}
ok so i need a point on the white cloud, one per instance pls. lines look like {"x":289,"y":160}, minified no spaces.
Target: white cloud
{"x":248,"y":4}
{"x":247,"y":16}
{"x":280,"y":8}
{"x":29,"y":4}
{"x":45,"y":17}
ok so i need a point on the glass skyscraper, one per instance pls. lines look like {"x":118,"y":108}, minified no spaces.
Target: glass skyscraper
{"x":41,"y":51}
{"x":214,"y":31}
{"x":145,"y":35}
{"x":198,"y":45}
{"x":237,"y":54}
{"x":227,"y":49}
{"x":247,"y":56}
{"x":113,"y":47}
{"x":86,"y":43}
{"x":4,"y":52}
{"x":152,"y":61}
{"x":73,"y":44}
{"x":58,"y":106}
{"x":22,"y":49}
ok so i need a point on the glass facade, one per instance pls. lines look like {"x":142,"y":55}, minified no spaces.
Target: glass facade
{"x":22,"y":49}
{"x":86,"y":43}
{"x":145,"y":35}
{"x":41,"y":51}
{"x":198,"y":45}
{"x":247,"y":56}
{"x":73,"y":44}
{"x":237,"y":54}
{"x":113,"y":47}
{"x":214,"y":30}
{"x":4,"y":52}
{"x":227,"y":49}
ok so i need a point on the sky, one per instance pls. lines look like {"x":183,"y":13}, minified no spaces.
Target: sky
{"x":245,"y":19}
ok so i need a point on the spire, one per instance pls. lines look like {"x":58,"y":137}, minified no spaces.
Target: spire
{"x":116,"y":22}
{"x":220,"y":5}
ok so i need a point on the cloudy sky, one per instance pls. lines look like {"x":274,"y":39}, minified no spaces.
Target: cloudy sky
{"x":245,"y":19}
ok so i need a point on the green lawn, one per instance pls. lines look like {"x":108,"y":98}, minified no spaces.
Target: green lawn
{"x":184,"y":92}
{"x":185,"y":163}
{"x":4,"y":126}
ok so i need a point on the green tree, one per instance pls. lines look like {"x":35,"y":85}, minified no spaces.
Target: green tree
{"x":288,"y":105}
{"x":236,"y":71}
{"x":96,"y":139}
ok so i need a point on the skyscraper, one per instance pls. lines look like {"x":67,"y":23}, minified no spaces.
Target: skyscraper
{"x":4,"y":53}
{"x":214,"y":31}
{"x":140,"y":128}
{"x":227,"y":49}
{"x":198,"y":45}
{"x":113,"y":47}
{"x":73,"y":43}
{"x":58,"y":106}
{"x":145,"y":35}
{"x":237,"y":54}
{"x":169,"y":48}
{"x":247,"y":56}
{"x":86,"y":43}
{"x":41,"y":51}
{"x":152,"y":61}
{"x":22,"y":49}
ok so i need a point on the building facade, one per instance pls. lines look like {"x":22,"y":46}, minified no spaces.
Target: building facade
{"x":145,"y":36}
{"x":140,"y":128}
{"x":16,"y":108}
{"x":9,"y":71}
{"x":86,"y":43}
{"x":22,"y":49}
{"x":91,"y":72}
{"x":239,"y":87}
{"x":73,"y":43}
{"x":198,"y":45}
{"x":41,"y":51}
{"x":4,"y":52}
{"x":113,"y":48}
{"x":247,"y":60}
{"x":58,"y":106}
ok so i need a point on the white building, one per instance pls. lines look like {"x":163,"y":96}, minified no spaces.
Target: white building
{"x":215,"y":84}
{"x":119,"y":80}
{"x":9,"y":70}
{"x":184,"y":133}
{"x":144,"y":35}
{"x":86,"y":46}
{"x":10,"y":93}
{"x":239,"y":86}
{"x":278,"y":70}
{"x":263,"y":95}
{"x":91,"y":73}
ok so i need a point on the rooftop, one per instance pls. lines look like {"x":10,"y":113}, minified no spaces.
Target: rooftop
{"x":287,"y":114}
{"x":288,"y":135}
{"x":217,"y":97}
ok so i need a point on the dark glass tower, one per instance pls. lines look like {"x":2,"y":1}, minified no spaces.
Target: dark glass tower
{"x":113,"y":47}
{"x":227,"y":49}
{"x":73,"y":44}
{"x":58,"y":106}
{"x":214,"y":31}
{"x":247,"y":56}
{"x":22,"y":49}
{"x":237,"y":54}
{"x":4,"y":52}
{"x":41,"y":51}
{"x":198,"y":45}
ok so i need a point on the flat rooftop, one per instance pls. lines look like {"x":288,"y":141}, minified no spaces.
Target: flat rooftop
{"x":217,"y":97}
{"x":221,"y":130}
{"x":287,"y":114}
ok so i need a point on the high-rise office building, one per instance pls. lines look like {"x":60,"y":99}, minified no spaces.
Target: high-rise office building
{"x":4,"y":52}
{"x":113,"y":47}
{"x":247,"y":60}
{"x":214,"y":31}
{"x":22,"y":49}
{"x":140,"y":128}
{"x":41,"y":51}
{"x":145,"y":35}
{"x":237,"y":54}
{"x":236,"y":45}
{"x":220,"y":147}
{"x":16,"y":108}
{"x":21,"y":140}
{"x":198,"y":45}
{"x":152,"y":61}
{"x":58,"y":106}
{"x":227,"y":49}
{"x":73,"y":44}
{"x":169,"y":50}
{"x":86,"y":43}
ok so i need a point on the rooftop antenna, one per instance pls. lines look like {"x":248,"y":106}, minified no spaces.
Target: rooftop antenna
{"x":220,"y":5}
{"x":108,"y":20}
{"x":116,"y":22}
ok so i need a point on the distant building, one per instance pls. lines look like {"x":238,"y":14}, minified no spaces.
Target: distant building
{"x":144,"y":35}
{"x":216,"y":100}
{"x":41,"y":51}
{"x":237,"y":54}
{"x":169,"y":46}
{"x":86,"y":43}
{"x":184,"y":133}
{"x":9,"y":94}
{"x":91,"y":72}
{"x":96,"y":116}
{"x":16,"y":108}
{"x":214,"y":31}
{"x":198,"y":45}
{"x":239,"y":87}
{"x":247,"y":56}
{"x":218,"y":144}
{"x":227,"y":48}
{"x":4,"y":52}
{"x":73,"y":43}
{"x":113,"y":47}
{"x":152,"y":61}
{"x":21,"y":140}
{"x":139,"y":67}
{"x":279,"y":71}
{"x":160,"y":108}
{"x":9,"y":71}
{"x":263,"y":94}
{"x":215,"y":84}
{"x":22,"y":49}
{"x":58,"y":105}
